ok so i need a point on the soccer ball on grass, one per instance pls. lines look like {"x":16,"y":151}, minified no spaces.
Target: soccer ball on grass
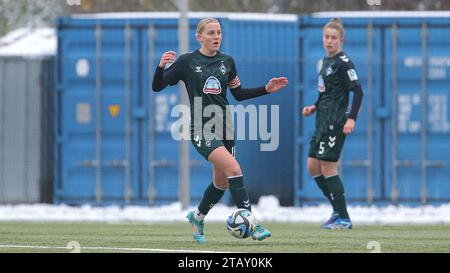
{"x":241,"y":223}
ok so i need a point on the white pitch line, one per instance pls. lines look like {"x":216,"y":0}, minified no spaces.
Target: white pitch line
{"x":115,"y":248}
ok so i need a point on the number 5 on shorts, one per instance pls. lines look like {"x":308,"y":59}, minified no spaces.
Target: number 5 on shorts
{"x":321,"y":147}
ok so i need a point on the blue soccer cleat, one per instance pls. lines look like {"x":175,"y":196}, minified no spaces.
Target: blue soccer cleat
{"x":198,"y":235}
{"x":333,"y":218}
{"x":260,"y":233}
{"x":340,"y":223}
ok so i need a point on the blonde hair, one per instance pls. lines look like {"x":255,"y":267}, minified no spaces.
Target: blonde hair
{"x":201,"y":25}
{"x":336,"y":24}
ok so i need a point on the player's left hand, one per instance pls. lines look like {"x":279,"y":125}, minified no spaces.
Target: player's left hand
{"x":276,"y":84}
{"x":349,"y":126}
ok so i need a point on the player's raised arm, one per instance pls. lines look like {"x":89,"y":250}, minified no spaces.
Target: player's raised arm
{"x":167,"y":59}
{"x":274,"y":85}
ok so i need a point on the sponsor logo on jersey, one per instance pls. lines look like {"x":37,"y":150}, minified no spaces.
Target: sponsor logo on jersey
{"x":212,"y":86}
{"x":198,"y":69}
{"x":321,"y":85}
{"x":352,"y":74}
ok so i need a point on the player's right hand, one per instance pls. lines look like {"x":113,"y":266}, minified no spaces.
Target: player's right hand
{"x":168,"y":57}
{"x":308,"y":110}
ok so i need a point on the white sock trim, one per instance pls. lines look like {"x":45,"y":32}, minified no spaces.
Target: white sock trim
{"x":333,"y":175}
{"x":236,"y":176}
{"x":217,"y":187}
{"x":317,"y":175}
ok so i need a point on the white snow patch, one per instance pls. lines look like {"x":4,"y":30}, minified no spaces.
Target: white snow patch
{"x":381,"y":14}
{"x":197,"y":15}
{"x":29,"y":43}
{"x":267,"y":209}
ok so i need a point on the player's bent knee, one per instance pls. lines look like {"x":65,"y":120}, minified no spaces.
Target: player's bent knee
{"x":313,"y":168}
{"x":314,"y":171}
{"x":233,"y":171}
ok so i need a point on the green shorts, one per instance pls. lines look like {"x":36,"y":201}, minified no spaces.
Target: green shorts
{"x":327,"y":146}
{"x":205,"y":147}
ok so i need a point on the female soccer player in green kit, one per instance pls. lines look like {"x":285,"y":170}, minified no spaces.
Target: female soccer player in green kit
{"x":337,"y":78}
{"x":207,"y":73}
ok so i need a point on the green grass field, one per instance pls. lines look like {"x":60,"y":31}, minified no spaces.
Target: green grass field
{"x":176,"y":237}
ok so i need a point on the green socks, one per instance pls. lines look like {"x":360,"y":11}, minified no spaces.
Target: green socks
{"x":239,"y":192}
{"x":336,"y":189}
{"x":211,"y":196}
{"x":320,"y":181}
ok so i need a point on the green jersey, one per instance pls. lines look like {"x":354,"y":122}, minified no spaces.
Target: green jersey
{"x":206,"y":78}
{"x":336,"y":78}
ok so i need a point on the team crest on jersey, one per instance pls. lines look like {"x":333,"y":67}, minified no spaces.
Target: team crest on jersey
{"x":321,"y":85}
{"x":222,"y":68}
{"x":329,"y":71}
{"x":212,"y":86}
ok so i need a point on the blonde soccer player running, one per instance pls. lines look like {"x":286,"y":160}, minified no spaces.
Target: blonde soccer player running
{"x":208,"y":73}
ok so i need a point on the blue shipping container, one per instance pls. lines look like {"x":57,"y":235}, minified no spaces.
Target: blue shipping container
{"x":114,"y":142}
{"x":401,"y":60}
{"x":113,"y":135}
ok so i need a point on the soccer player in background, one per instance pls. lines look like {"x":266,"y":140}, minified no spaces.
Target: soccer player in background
{"x":337,"y":78}
{"x":207,"y":73}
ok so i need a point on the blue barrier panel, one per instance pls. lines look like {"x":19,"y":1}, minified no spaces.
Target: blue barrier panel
{"x":263,"y":50}
{"x":419,"y":168}
{"x":97,"y":92}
